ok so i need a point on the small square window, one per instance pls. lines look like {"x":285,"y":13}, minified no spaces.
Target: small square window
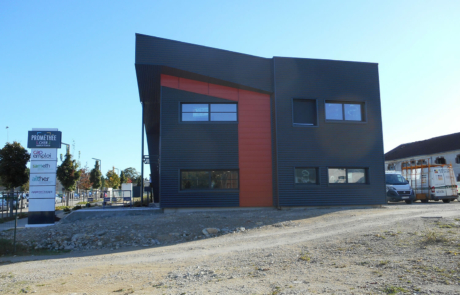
{"x":304,"y":112}
{"x":306,"y":175}
{"x":344,"y":111}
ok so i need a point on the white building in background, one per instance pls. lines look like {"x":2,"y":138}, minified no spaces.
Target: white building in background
{"x":438,"y":150}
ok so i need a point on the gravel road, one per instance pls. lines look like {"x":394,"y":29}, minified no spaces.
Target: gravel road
{"x":396,"y":249}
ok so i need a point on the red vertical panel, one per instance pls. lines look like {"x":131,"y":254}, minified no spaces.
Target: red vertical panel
{"x":255,"y":150}
{"x":170,"y":81}
{"x":254,"y":137}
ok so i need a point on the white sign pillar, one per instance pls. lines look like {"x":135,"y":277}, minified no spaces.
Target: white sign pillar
{"x":42,"y":181}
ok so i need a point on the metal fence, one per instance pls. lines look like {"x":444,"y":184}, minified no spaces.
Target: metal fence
{"x":117,"y":198}
{"x":11,"y":205}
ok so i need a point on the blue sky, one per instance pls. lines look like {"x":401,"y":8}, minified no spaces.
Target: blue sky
{"x":70,"y":64}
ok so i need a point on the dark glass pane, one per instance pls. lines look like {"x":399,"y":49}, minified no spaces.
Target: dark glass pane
{"x":334,"y":111}
{"x":234,"y":184}
{"x":223,"y":179}
{"x":337,"y":175}
{"x":305,"y":175}
{"x":353,"y":112}
{"x":223,"y":108}
{"x":223,"y":116}
{"x":195,"y":108}
{"x":304,"y":111}
{"x":194,"y":116}
{"x":356,"y":176}
{"x":194,"y":180}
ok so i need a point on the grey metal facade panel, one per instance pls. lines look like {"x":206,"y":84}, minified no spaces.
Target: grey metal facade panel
{"x":194,"y":146}
{"x":238,"y":68}
{"x":338,"y":144}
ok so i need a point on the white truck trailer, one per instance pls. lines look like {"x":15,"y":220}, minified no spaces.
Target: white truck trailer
{"x":431,"y":182}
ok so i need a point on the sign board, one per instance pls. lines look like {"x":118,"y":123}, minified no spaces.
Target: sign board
{"x":90,"y":199}
{"x":42,"y":192}
{"x":106,"y":199}
{"x":44,"y":139}
{"x":42,"y":179}
{"x":43,"y":155}
{"x":43,"y":167}
{"x":127,"y":199}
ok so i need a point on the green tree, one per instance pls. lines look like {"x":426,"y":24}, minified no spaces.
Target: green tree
{"x":25,"y":186}
{"x":13,"y":161}
{"x":122,"y":178}
{"x":95,"y":176}
{"x":132,"y":174}
{"x":102,"y":182}
{"x":113,"y":180}
{"x":68,"y":174}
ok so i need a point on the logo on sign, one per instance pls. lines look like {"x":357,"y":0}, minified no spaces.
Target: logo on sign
{"x":40,"y":178}
{"x":41,"y":155}
{"x":41,"y":192}
{"x":41,"y":166}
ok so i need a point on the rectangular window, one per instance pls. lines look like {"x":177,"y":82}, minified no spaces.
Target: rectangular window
{"x":306,"y":175}
{"x":304,"y":112}
{"x":209,"y":112}
{"x":208,"y":179}
{"x":344,"y":111}
{"x":347,"y":175}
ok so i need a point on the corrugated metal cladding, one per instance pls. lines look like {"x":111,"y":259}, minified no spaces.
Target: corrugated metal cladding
{"x":194,"y":146}
{"x":254,"y":137}
{"x":242,"y":69}
{"x":338,"y":144}
{"x":264,"y":145}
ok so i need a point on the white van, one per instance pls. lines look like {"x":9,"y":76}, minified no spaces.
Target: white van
{"x":398,"y":188}
{"x":434,"y":182}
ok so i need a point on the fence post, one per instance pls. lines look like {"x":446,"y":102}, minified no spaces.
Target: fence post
{"x":15,"y":225}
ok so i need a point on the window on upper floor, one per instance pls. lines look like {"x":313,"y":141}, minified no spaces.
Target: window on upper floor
{"x":344,"y":111}
{"x":304,"y":112}
{"x":208,"y":179}
{"x":421,"y":162}
{"x":457,"y":159}
{"x":391,"y":166}
{"x":202,"y":112}
{"x":347,"y":175}
{"x":440,"y":160}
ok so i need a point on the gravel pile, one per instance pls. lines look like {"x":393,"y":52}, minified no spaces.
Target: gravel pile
{"x":113,"y":233}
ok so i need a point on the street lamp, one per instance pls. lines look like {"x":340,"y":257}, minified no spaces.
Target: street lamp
{"x":67,"y":148}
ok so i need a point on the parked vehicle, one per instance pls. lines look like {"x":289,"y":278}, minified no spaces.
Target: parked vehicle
{"x":398,"y":188}
{"x":432,"y":182}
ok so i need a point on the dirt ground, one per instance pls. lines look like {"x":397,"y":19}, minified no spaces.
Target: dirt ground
{"x":396,"y":249}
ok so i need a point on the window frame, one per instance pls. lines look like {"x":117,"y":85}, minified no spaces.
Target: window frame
{"x":294,"y":124}
{"x":307,"y":184}
{"x":209,"y":189}
{"x":457,"y":159}
{"x":363,"y":112}
{"x":209,"y":113}
{"x":366,"y":174}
